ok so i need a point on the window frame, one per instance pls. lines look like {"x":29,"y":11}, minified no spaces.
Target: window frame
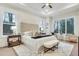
{"x":65,"y":24}
{"x":4,"y":18}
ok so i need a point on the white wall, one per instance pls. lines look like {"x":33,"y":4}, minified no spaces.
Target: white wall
{"x":21,"y":16}
{"x":66,"y":15}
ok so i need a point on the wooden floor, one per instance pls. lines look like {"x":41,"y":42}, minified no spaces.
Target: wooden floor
{"x":11,"y":52}
{"x":75,"y":50}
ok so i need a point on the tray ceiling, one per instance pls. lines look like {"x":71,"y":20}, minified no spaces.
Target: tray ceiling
{"x":36,"y":7}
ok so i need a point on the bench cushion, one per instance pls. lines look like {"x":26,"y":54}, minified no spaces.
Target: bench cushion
{"x":51,"y":43}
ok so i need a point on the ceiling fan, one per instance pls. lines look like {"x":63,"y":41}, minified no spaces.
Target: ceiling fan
{"x":47,"y":5}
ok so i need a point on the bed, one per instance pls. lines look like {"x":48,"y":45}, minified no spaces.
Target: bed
{"x":35,"y":44}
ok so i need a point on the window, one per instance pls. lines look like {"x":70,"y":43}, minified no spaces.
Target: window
{"x":9,"y":23}
{"x":56,"y":27}
{"x":61,"y":25}
{"x":70,"y":25}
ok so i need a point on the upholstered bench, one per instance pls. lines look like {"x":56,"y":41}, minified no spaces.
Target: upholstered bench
{"x":50,"y":45}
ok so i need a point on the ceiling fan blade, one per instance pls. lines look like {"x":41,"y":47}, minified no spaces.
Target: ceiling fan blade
{"x":43,"y":6}
{"x":50,"y":6}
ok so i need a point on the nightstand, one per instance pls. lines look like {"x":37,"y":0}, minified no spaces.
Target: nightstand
{"x":14,"y":40}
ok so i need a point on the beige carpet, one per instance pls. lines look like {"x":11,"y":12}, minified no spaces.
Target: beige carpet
{"x":7,"y":52}
{"x":64,"y":49}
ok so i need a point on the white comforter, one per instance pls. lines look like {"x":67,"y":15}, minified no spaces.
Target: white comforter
{"x":35,"y":44}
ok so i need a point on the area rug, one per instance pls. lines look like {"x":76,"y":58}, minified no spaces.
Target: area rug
{"x":22,"y":50}
{"x":64,"y":49}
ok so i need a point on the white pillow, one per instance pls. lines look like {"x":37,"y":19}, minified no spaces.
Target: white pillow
{"x":28,"y":33}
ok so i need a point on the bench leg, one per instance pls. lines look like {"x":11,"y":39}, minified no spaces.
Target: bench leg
{"x":52,"y":48}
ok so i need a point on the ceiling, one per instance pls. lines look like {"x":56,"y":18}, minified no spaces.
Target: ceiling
{"x":36,"y":7}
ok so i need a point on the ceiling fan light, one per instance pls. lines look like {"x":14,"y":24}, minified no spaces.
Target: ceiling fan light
{"x":47,"y":4}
